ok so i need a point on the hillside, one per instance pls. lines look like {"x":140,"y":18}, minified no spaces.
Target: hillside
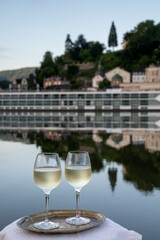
{"x":10,"y":75}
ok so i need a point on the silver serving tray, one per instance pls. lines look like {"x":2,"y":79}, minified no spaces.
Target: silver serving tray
{"x":60,"y":216}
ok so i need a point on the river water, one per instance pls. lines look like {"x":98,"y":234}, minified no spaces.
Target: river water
{"x":125,"y":154}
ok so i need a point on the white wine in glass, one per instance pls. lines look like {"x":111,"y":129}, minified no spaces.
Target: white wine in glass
{"x":78,"y":173}
{"x":47,"y":176}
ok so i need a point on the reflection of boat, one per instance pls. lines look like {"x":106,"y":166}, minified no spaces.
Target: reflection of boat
{"x":123,"y":128}
{"x":112,"y":122}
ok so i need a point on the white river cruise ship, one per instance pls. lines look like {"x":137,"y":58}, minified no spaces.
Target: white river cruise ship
{"x":80,"y":100}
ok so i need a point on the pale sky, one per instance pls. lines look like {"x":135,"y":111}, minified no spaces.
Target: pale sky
{"x":29,"y":28}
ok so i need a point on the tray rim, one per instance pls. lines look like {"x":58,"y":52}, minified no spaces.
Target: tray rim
{"x":65,"y":231}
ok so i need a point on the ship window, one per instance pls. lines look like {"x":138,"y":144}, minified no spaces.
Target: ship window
{"x":134,"y":95}
{"x":125,"y":95}
{"x":116,"y":95}
{"x":144,"y":95}
{"x":98,"y":95}
{"x":90,"y":96}
{"x":72,"y":96}
{"x":144,"y":102}
{"x":107,"y":102}
{"x":125,"y":102}
{"x":107,"y":95}
{"x":30,"y":96}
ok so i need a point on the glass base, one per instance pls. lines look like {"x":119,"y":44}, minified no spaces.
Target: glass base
{"x":78,"y":221}
{"x":46,"y":225}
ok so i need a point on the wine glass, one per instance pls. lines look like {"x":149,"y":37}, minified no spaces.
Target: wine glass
{"x":47,"y":176}
{"x":78,"y":174}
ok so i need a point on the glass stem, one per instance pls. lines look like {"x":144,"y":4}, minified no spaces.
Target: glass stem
{"x":77,"y":204}
{"x":46,"y":205}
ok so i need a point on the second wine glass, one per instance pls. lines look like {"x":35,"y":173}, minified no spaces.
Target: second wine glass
{"x":78,"y":174}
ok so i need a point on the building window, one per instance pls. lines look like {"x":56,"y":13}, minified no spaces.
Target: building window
{"x":15,"y":118}
{"x":14,"y":103}
{"x":56,"y":96}
{"x":98,"y":104}
{"x":98,"y":96}
{"x":88,"y":103}
{"x":125,"y":119}
{"x":46,"y":103}
{"x":107,"y":119}
{"x":89,"y":96}
{"x":116,"y":104}
{"x":22,"y":103}
{"x":144,"y":95}
{"x":125,"y":95}
{"x":39,"y":103}
{"x":135,"y":103}
{"x":144,"y":102}
{"x":98,"y":117}
{"x":72,"y":96}
{"x":63,"y":96}
{"x":88,"y":119}
{"x":81,"y":103}
{"x":38,"y":118}
{"x":31,"y":103}
{"x":22,"y":96}
{"x":134,"y":95}
{"x":144,"y":119}
{"x":125,"y":102}
{"x":107,"y":96}
{"x":6,"y":97}
{"x":14,"y":96}
{"x":55,"y":118}
{"x":46,"y":96}
{"x":116,"y":95}
{"x":107,"y":102}
{"x":30,"y":96}
{"x":38,"y":96}
{"x":81,"y":96}
{"x":81,"y":118}
{"x":55,"y":103}
{"x":6,"y":103}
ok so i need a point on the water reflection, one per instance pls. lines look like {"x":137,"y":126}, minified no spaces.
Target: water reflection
{"x":112,"y":175}
{"x":129,"y":138}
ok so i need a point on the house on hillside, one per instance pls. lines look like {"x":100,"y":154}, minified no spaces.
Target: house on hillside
{"x":98,"y":77}
{"x":138,"y":75}
{"x":56,"y":82}
{"x":117,"y":76}
{"x":153,"y":74}
{"x":19,"y":85}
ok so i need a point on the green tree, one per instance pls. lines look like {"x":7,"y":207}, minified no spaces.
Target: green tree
{"x":47,"y":68}
{"x":96,"y":50}
{"x":4,"y":84}
{"x":68,"y":43}
{"x":72,"y":71}
{"x":79,"y":44}
{"x":31,"y":82}
{"x":104,"y":84}
{"x":92,"y":53}
{"x":112,"y":39}
{"x":141,"y":44}
{"x":68,"y":47}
